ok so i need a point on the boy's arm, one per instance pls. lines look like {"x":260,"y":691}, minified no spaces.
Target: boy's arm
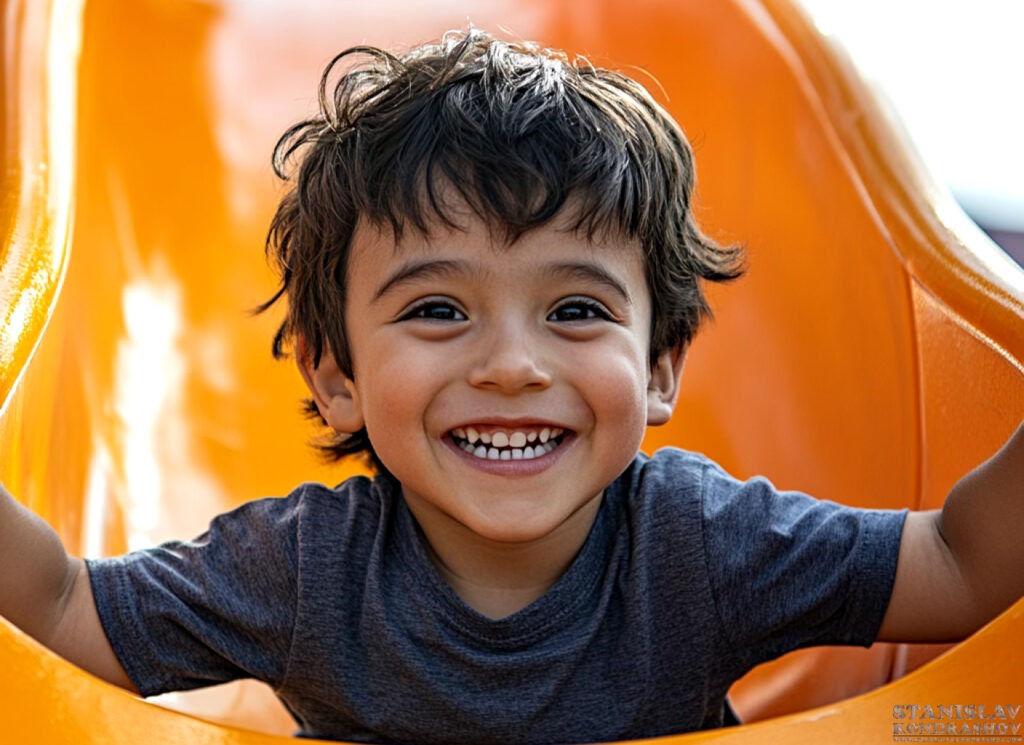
{"x":960,"y":567}
{"x":47,"y":593}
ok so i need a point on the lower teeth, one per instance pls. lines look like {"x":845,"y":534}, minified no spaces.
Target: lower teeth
{"x":527,"y":453}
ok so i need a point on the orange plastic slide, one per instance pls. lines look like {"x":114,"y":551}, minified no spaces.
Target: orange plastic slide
{"x":872,"y":355}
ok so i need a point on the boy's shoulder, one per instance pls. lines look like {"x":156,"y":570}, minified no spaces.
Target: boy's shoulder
{"x":665,"y":495}
{"x":674,"y":475}
{"x":682,"y":488}
{"x":355,"y":496}
{"x":305,"y":522}
{"x":674,"y":460}
{"x":769,"y":558}
{"x":355,"y":493}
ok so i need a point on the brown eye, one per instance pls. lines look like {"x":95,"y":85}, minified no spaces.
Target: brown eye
{"x":579,"y":310}
{"x":435,"y":311}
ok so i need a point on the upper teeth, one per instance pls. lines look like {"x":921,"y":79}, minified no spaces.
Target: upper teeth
{"x":502,"y":439}
{"x":491,"y":445}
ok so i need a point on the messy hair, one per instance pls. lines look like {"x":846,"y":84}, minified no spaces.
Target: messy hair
{"x":519,"y":134}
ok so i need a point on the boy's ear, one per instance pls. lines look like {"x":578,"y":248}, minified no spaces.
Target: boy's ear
{"x":663,"y":389}
{"x":333,"y":393}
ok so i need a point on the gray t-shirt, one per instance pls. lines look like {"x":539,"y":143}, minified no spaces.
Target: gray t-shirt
{"x":687,"y":580}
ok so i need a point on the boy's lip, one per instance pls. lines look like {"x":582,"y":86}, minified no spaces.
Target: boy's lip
{"x":514,"y":467}
{"x":527,"y":445}
{"x":497,"y":422}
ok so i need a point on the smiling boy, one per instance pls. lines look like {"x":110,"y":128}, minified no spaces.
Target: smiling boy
{"x":521,"y":389}
{"x":492,"y":276}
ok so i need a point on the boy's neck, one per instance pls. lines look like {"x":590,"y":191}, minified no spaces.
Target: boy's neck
{"x":499,"y":579}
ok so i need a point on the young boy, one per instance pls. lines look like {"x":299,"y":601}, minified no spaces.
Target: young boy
{"x":492,"y":277}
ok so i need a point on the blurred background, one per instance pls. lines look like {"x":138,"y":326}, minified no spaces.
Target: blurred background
{"x":954,"y":71}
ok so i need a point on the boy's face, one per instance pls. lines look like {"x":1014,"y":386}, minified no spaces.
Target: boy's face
{"x":504,"y":387}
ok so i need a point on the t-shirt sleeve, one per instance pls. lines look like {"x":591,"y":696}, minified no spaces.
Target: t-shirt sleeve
{"x":790,"y":571}
{"x":190,"y":614}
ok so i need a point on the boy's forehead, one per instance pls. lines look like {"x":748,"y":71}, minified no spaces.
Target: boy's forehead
{"x":384,"y":258}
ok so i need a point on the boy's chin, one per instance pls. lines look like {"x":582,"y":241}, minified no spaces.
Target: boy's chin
{"x":518,"y":529}
{"x":503,"y":519}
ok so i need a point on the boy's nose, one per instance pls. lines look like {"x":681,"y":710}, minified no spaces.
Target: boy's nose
{"x":509,"y":362}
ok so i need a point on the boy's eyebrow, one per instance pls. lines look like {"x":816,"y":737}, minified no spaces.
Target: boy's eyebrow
{"x":441,"y":268}
{"x":424,"y":269}
{"x":589,"y":272}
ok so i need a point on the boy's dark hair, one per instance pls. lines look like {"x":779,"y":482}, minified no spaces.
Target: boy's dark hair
{"x":515,"y":131}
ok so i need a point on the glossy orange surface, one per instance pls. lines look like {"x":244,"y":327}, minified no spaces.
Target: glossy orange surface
{"x":872,"y":355}
{"x":37,"y":146}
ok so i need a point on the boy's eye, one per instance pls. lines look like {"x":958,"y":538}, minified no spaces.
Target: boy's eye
{"x":434,"y":310}
{"x":579,"y":309}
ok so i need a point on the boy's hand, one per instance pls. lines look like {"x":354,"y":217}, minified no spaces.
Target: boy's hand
{"x":962,"y":566}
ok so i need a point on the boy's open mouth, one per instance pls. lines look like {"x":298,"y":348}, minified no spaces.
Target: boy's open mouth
{"x":502,"y":444}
